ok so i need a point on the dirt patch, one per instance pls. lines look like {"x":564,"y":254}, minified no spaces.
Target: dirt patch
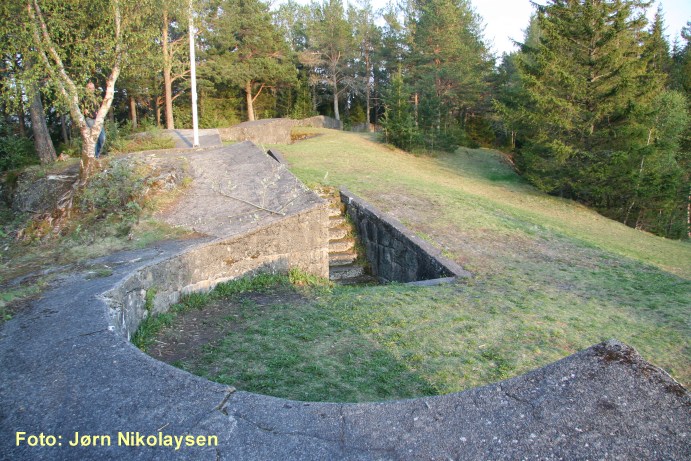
{"x":192,"y":330}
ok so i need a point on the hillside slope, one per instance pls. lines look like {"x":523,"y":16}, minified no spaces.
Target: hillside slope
{"x":551,"y":276}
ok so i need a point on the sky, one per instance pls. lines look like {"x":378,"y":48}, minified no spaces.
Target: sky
{"x":507,"y":19}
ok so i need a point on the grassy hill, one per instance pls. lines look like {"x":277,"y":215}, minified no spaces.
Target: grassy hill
{"x":550,"y":278}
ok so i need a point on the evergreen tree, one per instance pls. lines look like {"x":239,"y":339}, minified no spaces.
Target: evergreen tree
{"x":398,"y":123}
{"x":450,"y":65}
{"x":584,"y":82}
{"x":332,"y":46}
{"x":595,"y":123}
{"x":367,"y":37}
{"x":246,"y":50}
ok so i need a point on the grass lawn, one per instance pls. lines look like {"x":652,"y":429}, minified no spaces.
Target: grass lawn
{"x":550,"y":278}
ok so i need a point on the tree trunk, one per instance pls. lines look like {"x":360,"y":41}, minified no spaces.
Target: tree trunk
{"x":42,"y":141}
{"x":63,"y":129}
{"x":22,"y":121}
{"x":157,"y":105}
{"x":167,"y":69}
{"x":336,"y":114}
{"x":688,"y":215}
{"x":250,"y":102}
{"x":133,"y":112}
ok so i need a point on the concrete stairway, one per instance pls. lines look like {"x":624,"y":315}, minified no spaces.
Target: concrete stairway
{"x":344,"y":266}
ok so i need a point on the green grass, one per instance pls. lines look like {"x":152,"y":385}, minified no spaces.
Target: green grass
{"x":550,"y":278}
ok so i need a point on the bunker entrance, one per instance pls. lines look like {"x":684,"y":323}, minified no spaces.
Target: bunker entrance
{"x":367,"y":246}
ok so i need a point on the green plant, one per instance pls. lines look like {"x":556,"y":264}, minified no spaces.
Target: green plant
{"x":16,"y":152}
{"x":117,"y":190}
{"x":149,"y":298}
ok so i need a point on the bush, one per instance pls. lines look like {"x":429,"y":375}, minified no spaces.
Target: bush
{"x":16,"y":152}
{"x":119,"y":191}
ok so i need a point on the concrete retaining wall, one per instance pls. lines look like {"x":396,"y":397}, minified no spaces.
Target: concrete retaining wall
{"x":300,"y":241}
{"x":394,"y":253}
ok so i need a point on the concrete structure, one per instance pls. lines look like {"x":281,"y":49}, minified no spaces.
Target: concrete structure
{"x":72,"y":387}
{"x":184,"y":138}
{"x":274,"y":130}
{"x":395,"y":254}
{"x":256,"y":216}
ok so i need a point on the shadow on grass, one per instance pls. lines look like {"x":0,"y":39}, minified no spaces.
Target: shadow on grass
{"x":287,"y":342}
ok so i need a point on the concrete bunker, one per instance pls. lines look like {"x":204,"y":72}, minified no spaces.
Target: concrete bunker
{"x":64,"y":369}
{"x":255,"y":216}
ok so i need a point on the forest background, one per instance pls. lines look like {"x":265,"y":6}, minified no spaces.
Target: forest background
{"x":593,"y":105}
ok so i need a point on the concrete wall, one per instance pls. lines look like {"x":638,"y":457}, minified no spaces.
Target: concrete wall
{"x":321,"y":121}
{"x":394,"y":253}
{"x":274,"y":130}
{"x":267,"y":131}
{"x":299,"y":240}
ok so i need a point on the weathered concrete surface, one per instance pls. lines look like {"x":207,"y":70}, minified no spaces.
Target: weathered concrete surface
{"x":266,"y":131}
{"x":274,"y":130}
{"x":322,"y":121}
{"x":237,"y":188}
{"x":62,"y":370}
{"x":259,"y":216}
{"x":184,"y":137}
{"x":394,"y":253}
{"x":297,"y":241}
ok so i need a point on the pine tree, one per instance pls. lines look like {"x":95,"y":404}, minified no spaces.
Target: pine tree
{"x":246,"y":50}
{"x":332,"y":46}
{"x":450,"y":64}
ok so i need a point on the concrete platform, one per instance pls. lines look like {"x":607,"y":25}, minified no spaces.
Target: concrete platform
{"x":237,"y":188}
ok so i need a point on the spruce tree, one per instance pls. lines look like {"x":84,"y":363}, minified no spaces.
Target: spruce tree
{"x":587,"y":83}
{"x":449,"y":66}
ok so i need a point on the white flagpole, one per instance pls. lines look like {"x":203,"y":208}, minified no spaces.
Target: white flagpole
{"x":193,"y":80}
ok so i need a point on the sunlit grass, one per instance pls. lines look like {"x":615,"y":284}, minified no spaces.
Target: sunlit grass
{"x":550,"y":278}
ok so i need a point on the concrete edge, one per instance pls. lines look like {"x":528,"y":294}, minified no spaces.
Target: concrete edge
{"x":115,"y":300}
{"x":451,"y":266}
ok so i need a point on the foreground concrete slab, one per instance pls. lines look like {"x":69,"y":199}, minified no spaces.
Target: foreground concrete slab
{"x":65,"y":371}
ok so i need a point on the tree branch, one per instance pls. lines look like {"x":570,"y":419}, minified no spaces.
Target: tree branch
{"x":65,"y":84}
{"x":258,"y":92}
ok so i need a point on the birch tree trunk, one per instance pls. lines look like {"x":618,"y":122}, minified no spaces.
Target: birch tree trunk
{"x":335,"y":83}
{"x":167,"y":70}
{"x":133,"y":112}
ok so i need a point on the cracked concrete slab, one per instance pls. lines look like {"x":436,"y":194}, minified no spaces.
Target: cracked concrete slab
{"x":237,"y":188}
{"x":65,"y":371}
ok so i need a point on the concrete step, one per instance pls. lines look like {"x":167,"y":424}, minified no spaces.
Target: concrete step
{"x":335,"y":221}
{"x":342,"y":258}
{"x":338,"y":233}
{"x":360,"y":280}
{"x":335,"y":211}
{"x":346,"y":272}
{"x":338,"y":246}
